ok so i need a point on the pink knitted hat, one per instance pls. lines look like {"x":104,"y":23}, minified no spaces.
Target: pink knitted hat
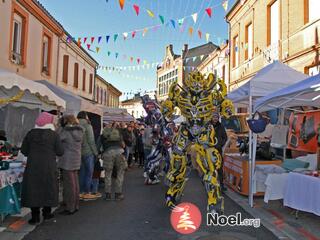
{"x":44,"y":118}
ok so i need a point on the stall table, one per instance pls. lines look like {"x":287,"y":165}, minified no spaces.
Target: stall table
{"x":302,"y":192}
{"x":236,"y":172}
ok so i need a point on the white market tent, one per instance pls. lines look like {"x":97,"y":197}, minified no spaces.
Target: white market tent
{"x":271,"y":78}
{"x":22,"y":100}
{"x":74,"y":103}
{"x":9,"y":80}
{"x":303,"y":93}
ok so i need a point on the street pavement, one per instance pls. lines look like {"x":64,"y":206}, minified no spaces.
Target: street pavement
{"x":142,"y":215}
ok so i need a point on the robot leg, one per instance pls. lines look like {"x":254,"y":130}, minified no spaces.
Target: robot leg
{"x":177,"y":179}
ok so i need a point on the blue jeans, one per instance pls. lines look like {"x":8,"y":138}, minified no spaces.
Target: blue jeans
{"x":95,"y":185}
{"x":86,"y":171}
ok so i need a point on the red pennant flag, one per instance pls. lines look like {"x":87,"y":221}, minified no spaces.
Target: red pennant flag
{"x":121,"y":2}
{"x":84,"y":40}
{"x":209,"y":11}
{"x":138,"y":60}
{"x":136,"y":8}
{"x":131,"y":59}
{"x":200,"y":34}
{"x":88,"y":46}
{"x":133,"y":34}
{"x":92,"y":39}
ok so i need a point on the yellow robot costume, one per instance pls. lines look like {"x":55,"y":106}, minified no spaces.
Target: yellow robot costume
{"x":197,"y":100}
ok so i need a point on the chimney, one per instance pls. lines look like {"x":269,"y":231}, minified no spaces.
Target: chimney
{"x":184,"y":50}
{"x":169,"y":49}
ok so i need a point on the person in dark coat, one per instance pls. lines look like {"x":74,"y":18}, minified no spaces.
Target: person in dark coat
{"x":40,"y":180}
{"x":222,"y":138}
{"x":71,"y":136}
{"x":129,"y":140}
{"x":140,"y":147}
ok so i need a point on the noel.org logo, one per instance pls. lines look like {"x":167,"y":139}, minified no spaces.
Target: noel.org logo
{"x":185,"y":218}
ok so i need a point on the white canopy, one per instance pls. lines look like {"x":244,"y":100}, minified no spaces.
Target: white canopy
{"x":74,"y":103}
{"x":303,"y":93}
{"x":271,"y":78}
{"x":9,"y":80}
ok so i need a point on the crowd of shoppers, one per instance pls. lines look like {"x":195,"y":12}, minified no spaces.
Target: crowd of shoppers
{"x":69,"y":145}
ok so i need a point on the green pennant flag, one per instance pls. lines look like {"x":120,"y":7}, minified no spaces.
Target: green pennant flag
{"x":161,"y":19}
{"x":109,"y":53}
{"x":180,"y":21}
{"x":115,"y":37}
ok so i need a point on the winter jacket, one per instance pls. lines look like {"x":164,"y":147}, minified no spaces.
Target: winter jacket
{"x":140,"y":145}
{"x":40,"y":178}
{"x":108,"y":143}
{"x":129,"y":138}
{"x":88,"y":144}
{"x":221,"y":135}
{"x":71,"y":137}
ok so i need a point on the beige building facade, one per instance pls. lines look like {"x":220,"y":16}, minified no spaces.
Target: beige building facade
{"x":175,"y":67}
{"x":29,"y":40}
{"x":217,"y":63}
{"x":106,"y":94}
{"x":263,"y":31}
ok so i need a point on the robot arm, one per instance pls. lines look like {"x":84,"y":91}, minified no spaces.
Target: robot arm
{"x":167,"y":107}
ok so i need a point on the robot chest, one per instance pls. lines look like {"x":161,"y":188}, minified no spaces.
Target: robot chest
{"x":192,"y":107}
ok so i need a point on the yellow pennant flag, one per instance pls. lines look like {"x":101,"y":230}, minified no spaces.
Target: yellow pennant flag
{"x":207,"y":36}
{"x":97,"y":49}
{"x":191,"y":31}
{"x":150,"y":13}
{"x":225,"y":5}
{"x":144,"y":31}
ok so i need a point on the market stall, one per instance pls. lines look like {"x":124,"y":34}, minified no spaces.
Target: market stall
{"x":271,"y":78}
{"x":295,"y":188}
{"x":75,"y":104}
{"x":21,"y":100}
{"x":116,"y":115}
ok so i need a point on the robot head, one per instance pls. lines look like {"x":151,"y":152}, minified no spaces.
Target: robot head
{"x":227,"y":108}
{"x":167,"y":108}
{"x":196,"y":82}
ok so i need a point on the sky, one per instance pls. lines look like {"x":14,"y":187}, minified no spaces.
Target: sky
{"x":104,"y":17}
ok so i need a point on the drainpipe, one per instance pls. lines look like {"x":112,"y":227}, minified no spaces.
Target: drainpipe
{"x":229,"y":58}
{"x":58,"y":55}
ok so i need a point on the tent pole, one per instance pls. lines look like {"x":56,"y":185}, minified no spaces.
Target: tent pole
{"x":250,"y":156}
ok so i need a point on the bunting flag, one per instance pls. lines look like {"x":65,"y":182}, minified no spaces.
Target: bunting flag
{"x":161,"y":19}
{"x":194,"y":59}
{"x":97,"y":49}
{"x":136,"y":8}
{"x":138,"y":60}
{"x":131,"y":59}
{"x":125,"y":35}
{"x":207,"y":36}
{"x":109,"y":53}
{"x":194,"y":17}
{"x":115,"y":37}
{"x":133,"y":34}
{"x":209,"y":11}
{"x":84,"y":40}
{"x":88,"y":46}
{"x":191,"y":31}
{"x":201,"y":57}
{"x":173,"y":23}
{"x":150,"y":13}
{"x":92,"y":40}
{"x":144,"y":32}
{"x":200,"y":34}
{"x":79,"y":42}
{"x":117,"y":54}
{"x":225,"y":5}
{"x":121,"y":2}
{"x":180,"y":21}
{"x":107,"y":39}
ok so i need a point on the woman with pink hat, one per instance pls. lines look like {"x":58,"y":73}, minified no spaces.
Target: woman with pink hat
{"x":40,"y":180}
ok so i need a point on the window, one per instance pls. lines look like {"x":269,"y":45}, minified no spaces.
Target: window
{"x":312,"y":71}
{"x":83,"y":80}
{"x":249,"y":42}
{"x":311,"y":10}
{"x":224,"y":72}
{"x":18,"y":36}
{"x":91,"y":83}
{"x":101,"y":97}
{"x":65,"y":68}
{"x":105,"y":97}
{"x":46,"y":52}
{"x":98,"y":91}
{"x":235,"y":59}
{"x":273,"y":35}
{"x":76,"y":75}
